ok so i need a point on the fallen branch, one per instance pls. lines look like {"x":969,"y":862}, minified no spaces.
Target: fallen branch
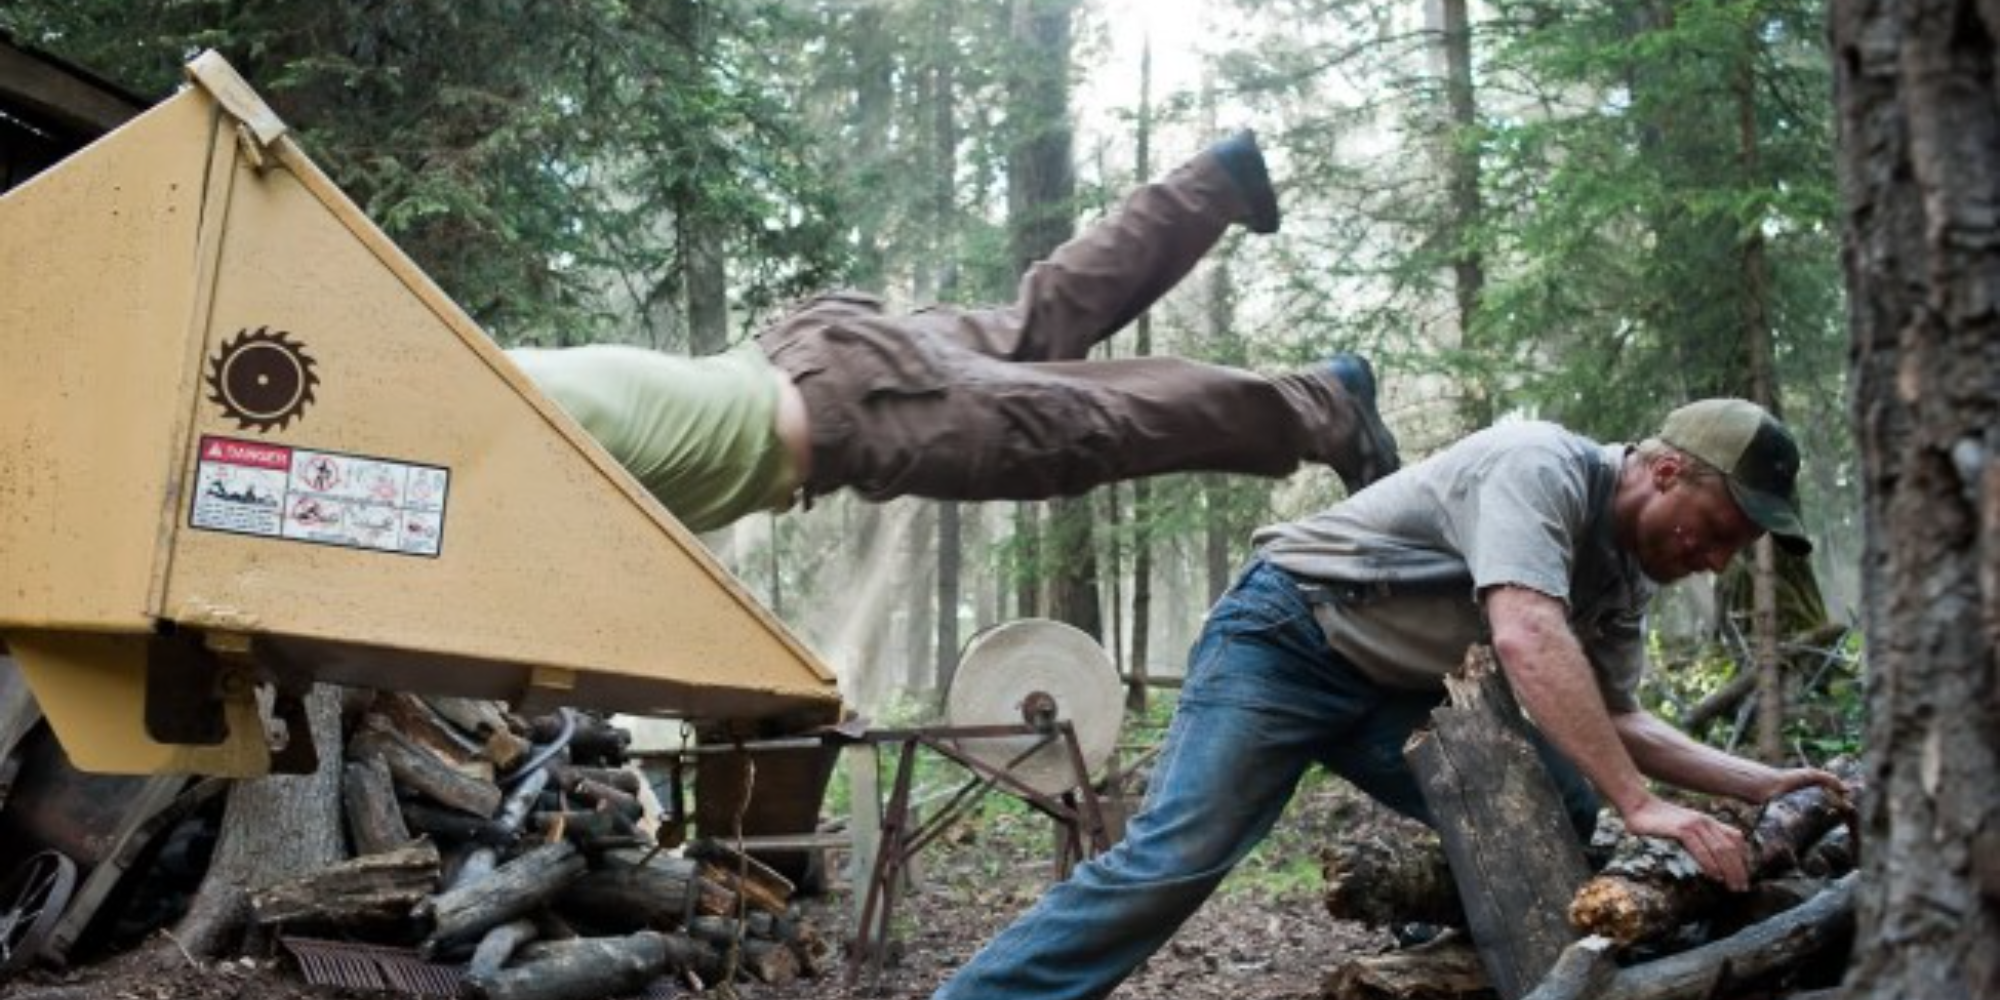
{"x":1785,"y":941}
{"x":1653,"y":886}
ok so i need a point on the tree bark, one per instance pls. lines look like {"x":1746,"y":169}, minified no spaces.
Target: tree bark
{"x":372,"y":891}
{"x":1444,"y":969}
{"x":585,"y":968}
{"x":1137,"y":664}
{"x":1382,"y":883}
{"x":1581,"y":973}
{"x":622,"y":898}
{"x":374,"y":819}
{"x":1919,"y":148}
{"x":1467,"y":209}
{"x":422,"y":771}
{"x":495,"y":949}
{"x":422,"y":725}
{"x":1513,"y":854}
{"x":1653,"y":887}
{"x":1786,"y":941}
{"x":271,"y":828}
{"x":1041,"y":195}
{"x":519,"y":887}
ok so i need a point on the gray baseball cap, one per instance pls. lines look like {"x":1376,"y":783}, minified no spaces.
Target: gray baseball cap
{"x":1758,"y":458}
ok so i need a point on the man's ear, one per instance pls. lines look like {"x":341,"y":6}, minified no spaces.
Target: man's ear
{"x":1667,"y":469}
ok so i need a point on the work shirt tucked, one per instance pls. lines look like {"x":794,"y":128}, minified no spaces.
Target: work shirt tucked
{"x":699,"y":433}
{"x":1525,"y":504}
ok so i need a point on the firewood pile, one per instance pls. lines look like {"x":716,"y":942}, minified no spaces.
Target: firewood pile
{"x":1646,"y":926}
{"x":524,"y":850}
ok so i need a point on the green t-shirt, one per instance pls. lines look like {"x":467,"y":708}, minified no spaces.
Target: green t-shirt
{"x":701,"y":434}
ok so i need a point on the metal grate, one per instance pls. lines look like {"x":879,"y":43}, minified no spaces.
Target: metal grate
{"x":372,"y":967}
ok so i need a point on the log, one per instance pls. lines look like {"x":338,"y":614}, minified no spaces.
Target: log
{"x":469,"y":864}
{"x":718,"y":931}
{"x":1832,"y":856}
{"x":505,"y":749}
{"x":583,"y":825}
{"x":622,"y":898}
{"x":506,"y":824}
{"x":495,"y":949}
{"x":1652,"y":886}
{"x":815,"y":952}
{"x":768,"y":961}
{"x":463,"y":914}
{"x":1447,"y":968}
{"x":609,"y":798}
{"x":368,"y":797}
{"x":447,"y":826}
{"x":473,"y":715}
{"x":1513,"y":854}
{"x":422,"y":725}
{"x":374,"y":890}
{"x":759,"y":883}
{"x":486,"y":722}
{"x":421,"y":770}
{"x":569,"y":776}
{"x":585,"y":968}
{"x":684,"y":954}
{"x":595,"y":741}
{"x":1383,"y":883}
{"x":1787,"y":941}
{"x":1581,"y":973}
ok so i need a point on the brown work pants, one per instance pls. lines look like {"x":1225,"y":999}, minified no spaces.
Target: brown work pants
{"x":998,"y":404}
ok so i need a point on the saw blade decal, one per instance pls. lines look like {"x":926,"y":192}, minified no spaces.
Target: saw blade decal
{"x":261,"y":379}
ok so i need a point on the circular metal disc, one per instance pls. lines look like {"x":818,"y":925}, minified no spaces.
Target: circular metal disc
{"x":1007,"y":664}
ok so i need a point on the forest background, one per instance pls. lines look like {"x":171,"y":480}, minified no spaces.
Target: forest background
{"x":1588,"y":211}
{"x":1585,"y":212}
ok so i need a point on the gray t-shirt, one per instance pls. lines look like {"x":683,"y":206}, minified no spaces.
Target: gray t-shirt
{"x":1525,"y":504}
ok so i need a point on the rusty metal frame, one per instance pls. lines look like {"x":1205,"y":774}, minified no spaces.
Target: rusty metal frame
{"x":1077,"y":813}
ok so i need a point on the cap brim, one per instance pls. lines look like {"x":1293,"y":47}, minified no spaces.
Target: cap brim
{"x":1774,"y":515}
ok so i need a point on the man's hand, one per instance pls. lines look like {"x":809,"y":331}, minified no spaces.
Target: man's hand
{"x":1792,"y":779}
{"x":1720,"y":849}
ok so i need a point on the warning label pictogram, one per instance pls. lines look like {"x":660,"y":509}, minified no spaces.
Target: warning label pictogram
{"x":329,"y":498}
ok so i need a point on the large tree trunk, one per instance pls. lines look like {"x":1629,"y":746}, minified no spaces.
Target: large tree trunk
{"x":1041,"y":191}
{"x":272,"y":829}
{"x":1920,"y":155}
{"x":1461,"y":160}
{"x":1142,"y":491}
{"x":943,"y":67}
{"x":702,"y":236}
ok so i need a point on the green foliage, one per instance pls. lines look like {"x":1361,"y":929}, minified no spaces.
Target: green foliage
{"x":1639,"y":164}
{"x":533,"y":158}
{"x":1824,"y":694}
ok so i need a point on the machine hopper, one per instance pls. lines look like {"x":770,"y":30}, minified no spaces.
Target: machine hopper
{"x":244,"y":439}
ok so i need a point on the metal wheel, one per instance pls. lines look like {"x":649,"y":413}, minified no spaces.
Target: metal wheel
{"x":31,"y":901}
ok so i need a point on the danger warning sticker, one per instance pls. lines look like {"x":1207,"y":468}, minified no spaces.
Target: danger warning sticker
{"x":329,"y":498}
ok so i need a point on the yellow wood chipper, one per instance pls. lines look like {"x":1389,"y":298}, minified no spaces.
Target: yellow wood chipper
{"x":246,"y":444}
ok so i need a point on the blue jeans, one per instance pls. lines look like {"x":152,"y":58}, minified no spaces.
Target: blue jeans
{"x":1264,"y":698}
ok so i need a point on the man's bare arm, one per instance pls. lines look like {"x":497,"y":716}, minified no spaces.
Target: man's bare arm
{"x":1664,"y":752}
{"x":1553,"y":680}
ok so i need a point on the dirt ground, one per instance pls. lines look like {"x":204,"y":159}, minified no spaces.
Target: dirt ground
{"x":1265,"y":936}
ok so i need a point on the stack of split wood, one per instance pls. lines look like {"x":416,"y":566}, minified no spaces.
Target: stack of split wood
{"x":524,"y":851}
{"x":1646,"y":925}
